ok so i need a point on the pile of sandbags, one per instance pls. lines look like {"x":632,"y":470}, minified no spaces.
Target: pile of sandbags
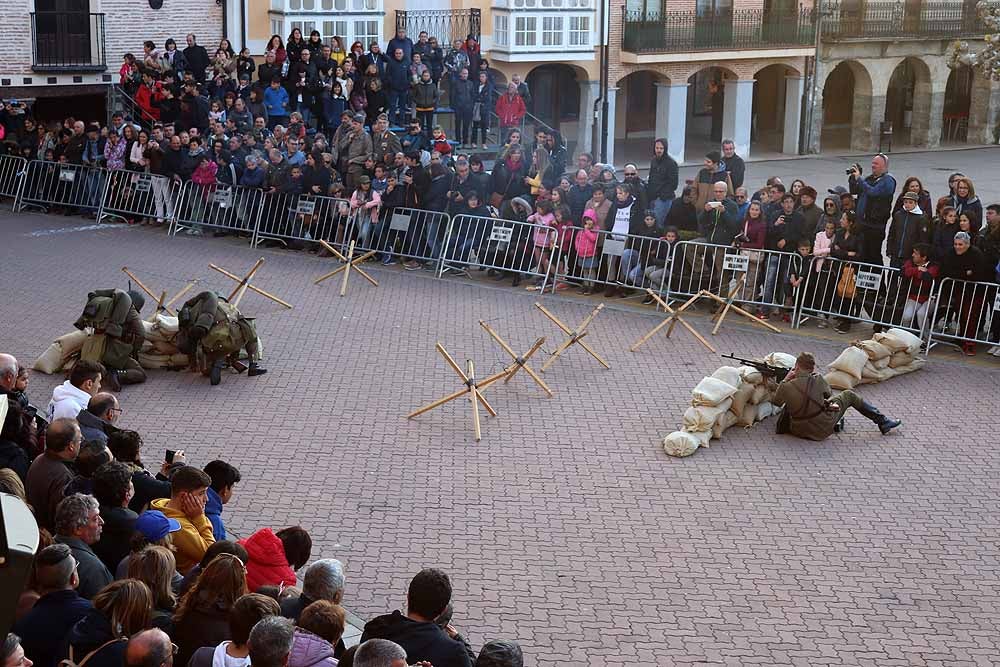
{"x":160,"y":347}
{"x":885,"y":355}
{"x":730,"y":396}
{"x":55,"y":357}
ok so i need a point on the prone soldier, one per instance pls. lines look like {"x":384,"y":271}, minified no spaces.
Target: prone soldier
{"x":118,"y":334}
{"x":212,"y":332}
{"x":813,"y":411}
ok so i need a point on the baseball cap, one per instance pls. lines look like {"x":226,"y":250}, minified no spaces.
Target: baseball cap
{"x":363,"y":179}
{"x":839,"y":190}
{"x":155,"y":525}
{"x":358,"y":118}
{"x":912,"y":196}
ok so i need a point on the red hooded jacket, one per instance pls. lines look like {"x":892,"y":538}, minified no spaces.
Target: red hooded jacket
{"x":268,"y":564}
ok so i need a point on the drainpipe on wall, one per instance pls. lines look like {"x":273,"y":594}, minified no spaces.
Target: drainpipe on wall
{"x":225,"y":17}
{"x":809,"y":91}
{"x":243,"y":23}
{"x":603,"y":97}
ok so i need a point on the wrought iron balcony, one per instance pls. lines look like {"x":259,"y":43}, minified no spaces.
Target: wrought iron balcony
{"x":893,"y":20}
{"x":67,"y":41}
{"x":683,"y":32}
{"x":445,"y":24}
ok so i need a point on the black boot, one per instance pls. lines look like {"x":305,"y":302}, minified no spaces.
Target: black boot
{"x":114,"y":383}
{"x":884,"y":423}
{"x":255,"y":370}
{"x":839,"y":426}
{"x":215,"y":374}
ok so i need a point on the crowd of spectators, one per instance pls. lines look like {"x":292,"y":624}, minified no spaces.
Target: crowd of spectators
{"x":135,"y":567}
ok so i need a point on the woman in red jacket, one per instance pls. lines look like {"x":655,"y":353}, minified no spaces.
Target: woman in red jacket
{"x":510,"y":108}
{"x":275,"y":557}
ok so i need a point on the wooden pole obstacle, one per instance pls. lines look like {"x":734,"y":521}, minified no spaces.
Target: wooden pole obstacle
{"x":161,"y":304}
{"x":243,"y":284}
{"x":520,"y":362}
{"x":673,"y":318}
{"x":575,"y":336}
{"x":349,"y":262}
{"x":472,"y":389}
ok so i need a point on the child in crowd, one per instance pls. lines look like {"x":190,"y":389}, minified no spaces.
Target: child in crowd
{"x":659,"y":264}
{"x":585,"y":243}
{"x":796,"y":276}
{"x":543,"y":240}
{"x":920,"y":272}
{"x":439,"y":141}
{"x":821,"y":250}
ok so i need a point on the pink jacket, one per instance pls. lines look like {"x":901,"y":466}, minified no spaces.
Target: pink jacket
{"x":585,"y":242}
{"x":374,"y":204}
{"x":543,"y":238}
{"x":204,"y":174}
{"x":821,"y":249}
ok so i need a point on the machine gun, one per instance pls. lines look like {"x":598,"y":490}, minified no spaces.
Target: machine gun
{"x":767,"y":370}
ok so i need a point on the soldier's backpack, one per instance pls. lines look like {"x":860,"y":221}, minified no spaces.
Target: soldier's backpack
{"x":226,"y":336}
{"x":97,"y":313}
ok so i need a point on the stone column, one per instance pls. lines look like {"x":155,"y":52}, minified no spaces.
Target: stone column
{"x":589,"y":90}
{"x":612,"y":102}
{"x":793,"y":114}
{"x":983,"y":110}
{"x":935,"y":120}
{"x":671,"y":117}
{"x":868,"y":112}
{"x":736,"y":114}
{"x":923,"y":116}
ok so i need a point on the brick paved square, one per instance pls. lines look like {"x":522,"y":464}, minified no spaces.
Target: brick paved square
{"x":566,"y":528}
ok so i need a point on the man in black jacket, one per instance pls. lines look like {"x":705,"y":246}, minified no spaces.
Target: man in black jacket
{"x":78,"y":525}
{"x":113,"y":490}
{"x":462,"y":100}
{"x":661,"y":188}
{"x":416,"y":632}
{"x":734,"y":164}
{"x":97,"y":421}
{"x":197,"y":58}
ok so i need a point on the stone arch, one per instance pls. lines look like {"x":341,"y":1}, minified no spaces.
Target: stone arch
{"x":845,"y":107}
{"x":555,"y":93}
{"x":706,"y":101}
{"x":908,"y":102}
{"x":794,"y":69}
{"x":957,"y":104}
{"x":636,"y":103}
{"x":774,"y":125}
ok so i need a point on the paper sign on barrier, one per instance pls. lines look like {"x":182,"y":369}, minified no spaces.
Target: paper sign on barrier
{"x":501,"y":234}
{"x":868,"y":279}
{"x":143,"y":183}
{"x":612,"y":247}
{"x":736,"y":263}
{"x":305,"y":207}
{"x":400,"y":222}
{"x":67,"y":175}
{"x":223,"y":197}
{"x":996,"y":303}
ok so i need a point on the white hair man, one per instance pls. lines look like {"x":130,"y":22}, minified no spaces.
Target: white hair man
{"x":78,"y":525}
{"x":271,"y":641}
{"x":380,"y":653}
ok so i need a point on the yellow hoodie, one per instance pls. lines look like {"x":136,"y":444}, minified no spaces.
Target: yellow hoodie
{"x":192,"y":540}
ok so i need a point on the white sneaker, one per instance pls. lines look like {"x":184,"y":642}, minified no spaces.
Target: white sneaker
{"x":992,"y":350}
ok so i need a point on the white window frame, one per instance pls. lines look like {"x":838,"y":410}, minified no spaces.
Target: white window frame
{"x":579,"y":34}
{"x":552,"y":31}
{"x":522,"y":31}
{"x":501,"y":30}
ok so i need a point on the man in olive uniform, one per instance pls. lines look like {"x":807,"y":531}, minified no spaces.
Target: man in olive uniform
{"x":213,"y":332}
{"x":813,"y":411}
{"x":118,"y":335}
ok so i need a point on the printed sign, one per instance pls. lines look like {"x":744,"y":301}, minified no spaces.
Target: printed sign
{"x":143,"y":183}
{"x":868,"y":279}
{"x":612,"y":247}
{"x":736,"y":263}
{"x":996,"y":303}
{"x":501,"y":234}
{"x":223,"y":197}
{"x":305,"y":206}
{"x":67,"y":175}
{"x":400,"y":222}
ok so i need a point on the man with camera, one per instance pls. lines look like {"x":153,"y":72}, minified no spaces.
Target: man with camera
{"x":874,"y":208}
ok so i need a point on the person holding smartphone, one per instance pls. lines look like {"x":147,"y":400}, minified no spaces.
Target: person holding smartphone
{"x":188,"y":495}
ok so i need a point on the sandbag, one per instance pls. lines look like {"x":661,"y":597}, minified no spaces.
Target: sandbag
{"x":882,"y":363}
{"x":166,"y":323}
{"x":703,"y":438}
{"x":50,"y":361}
{"x":711,"y":391}
{"x":840,"y":380}
{"x":780,"y":359}
{"x":914,"y":365}
{"x":725,"y":420}
{"x":729,"y":375}
{"x":151,"y":361}
{"x":681,"y":444}
{"x":748,"y":416}
{"x":899,"y":359}
{"x":851,"y":361}
{"x":893,"y":342}
{"x":764,"y":410}
{"x":911,"y":340}
{"x":761,"y":393}
{"x":701,"y":418}
{"x":741,"y":398}
{"x":71,"y":342}
{"x":874,"y":349}
{"x":871,"y":373}
{"x":751,"y":375}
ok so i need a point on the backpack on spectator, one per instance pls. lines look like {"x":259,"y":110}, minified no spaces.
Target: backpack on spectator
{"x":69,"y":662}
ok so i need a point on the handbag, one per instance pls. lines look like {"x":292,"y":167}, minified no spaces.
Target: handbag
{"x":847,"y":286}
{"x":477,"y":112}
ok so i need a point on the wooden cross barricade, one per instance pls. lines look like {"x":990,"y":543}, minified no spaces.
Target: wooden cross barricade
{"x":472,"y":389}
{"x":161,"y":304}
{"x":672,"y":320}
{"x":243,"y":284}
{"x":727,"y":304}
{"x":519,"y":361}
{"x":575,"y":336}
{"x":349,"y":262}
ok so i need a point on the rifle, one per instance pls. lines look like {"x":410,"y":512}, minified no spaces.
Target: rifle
{"x":777,"y":372}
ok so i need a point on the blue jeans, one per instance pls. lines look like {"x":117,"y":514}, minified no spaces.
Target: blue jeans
{"x":631,"y":267}
{"x":773,"y":280}
{"x":661,"y":207}
{"x":397,"y":102}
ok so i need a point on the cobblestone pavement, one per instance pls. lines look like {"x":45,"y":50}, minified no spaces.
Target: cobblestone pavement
{"x":567,"y":527}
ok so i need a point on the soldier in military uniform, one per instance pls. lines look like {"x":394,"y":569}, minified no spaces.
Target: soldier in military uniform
{"x":813,"y":411}
{"x":213,"y":332}
{"x":118,"y":334}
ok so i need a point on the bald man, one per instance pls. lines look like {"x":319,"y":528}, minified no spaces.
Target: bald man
{"x":874,"y":208}
{"x":149,"y":648}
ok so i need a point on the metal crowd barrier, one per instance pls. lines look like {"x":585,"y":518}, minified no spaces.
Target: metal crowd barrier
{"x":12,"y":172}
{"x":596,"y":257}
{"x":73,"y":187}
{"x":966,"y":312}
{"x":294,"y":219}
{"x":229,"y":209}
{"x":759,"y":276}
{"x":494,"y":244}
{"x":406,"y":233}
{"x":856,"y":292}
{"x":133,"y":194}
